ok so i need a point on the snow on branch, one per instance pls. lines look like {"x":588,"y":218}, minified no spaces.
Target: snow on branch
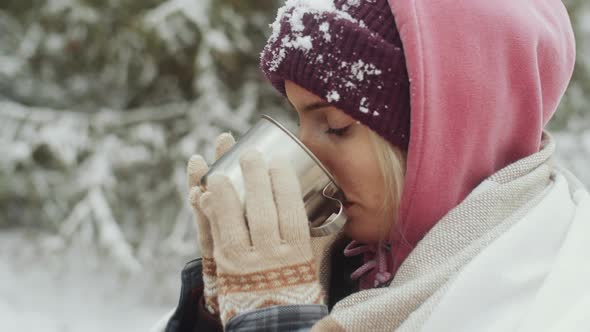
{"x":111,"y":236}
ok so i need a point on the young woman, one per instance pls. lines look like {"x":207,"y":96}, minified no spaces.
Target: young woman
{"x":430,"y":115}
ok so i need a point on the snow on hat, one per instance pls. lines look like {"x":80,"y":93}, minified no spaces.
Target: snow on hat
{"x":348,"y":52}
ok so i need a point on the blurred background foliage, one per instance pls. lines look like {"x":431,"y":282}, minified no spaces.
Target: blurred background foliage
{"x":102,"y":102}
{"x":87,"y":55}
{"x":573,"y":111}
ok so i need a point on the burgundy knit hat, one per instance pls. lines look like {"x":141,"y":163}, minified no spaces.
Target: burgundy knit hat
{"x":348,"y":52}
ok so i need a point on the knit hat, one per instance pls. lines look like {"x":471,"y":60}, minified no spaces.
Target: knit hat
{"x":348,"y":52}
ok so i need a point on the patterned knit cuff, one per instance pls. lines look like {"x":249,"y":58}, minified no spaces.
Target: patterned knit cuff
{"x":296,"y":284}
{"x":210,"y":281}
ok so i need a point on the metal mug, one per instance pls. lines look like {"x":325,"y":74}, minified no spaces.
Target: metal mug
{"x":322,"y":198}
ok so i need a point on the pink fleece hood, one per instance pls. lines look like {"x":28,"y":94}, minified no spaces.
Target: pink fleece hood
{"x":486,"y":77}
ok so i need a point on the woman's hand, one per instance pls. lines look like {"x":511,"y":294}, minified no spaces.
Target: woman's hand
{"x":264,"y":256}
{"x":197,"y":167}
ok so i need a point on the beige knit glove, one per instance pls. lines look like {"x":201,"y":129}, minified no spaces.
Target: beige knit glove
{"x":264,"y":258}
{"x":197,"y":167}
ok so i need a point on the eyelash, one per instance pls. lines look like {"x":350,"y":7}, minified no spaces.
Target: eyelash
{"x":334,"y":131}
{"x":337,"y":131}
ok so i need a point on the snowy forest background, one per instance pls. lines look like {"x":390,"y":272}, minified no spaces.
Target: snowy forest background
{"x":102,"y":102}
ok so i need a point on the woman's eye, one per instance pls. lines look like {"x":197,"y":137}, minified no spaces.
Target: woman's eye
{"x":337,"y":131}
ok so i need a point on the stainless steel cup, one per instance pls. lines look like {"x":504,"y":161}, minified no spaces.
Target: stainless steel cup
{"x":322,"y":198}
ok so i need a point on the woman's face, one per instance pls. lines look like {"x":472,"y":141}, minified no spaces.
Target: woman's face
{"x":343,"y":145}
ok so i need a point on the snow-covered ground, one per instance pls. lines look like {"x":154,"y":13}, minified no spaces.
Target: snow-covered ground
{"x":44,"y":287}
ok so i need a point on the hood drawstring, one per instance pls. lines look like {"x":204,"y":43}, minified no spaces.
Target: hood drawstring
{"x":378,"y":261}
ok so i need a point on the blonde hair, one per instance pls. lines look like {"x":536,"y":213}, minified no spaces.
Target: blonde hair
{"x":392,"y":164}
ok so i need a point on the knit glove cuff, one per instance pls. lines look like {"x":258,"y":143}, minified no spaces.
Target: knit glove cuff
{"x":210,"y":283}
{"x":295,"y":284}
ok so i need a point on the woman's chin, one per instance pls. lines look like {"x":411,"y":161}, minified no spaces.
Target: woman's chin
{"x":360,"y":233}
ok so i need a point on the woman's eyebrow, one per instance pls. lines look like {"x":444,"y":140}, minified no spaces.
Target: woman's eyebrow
{"x":313,"y":106}
{"x":317,"y":105}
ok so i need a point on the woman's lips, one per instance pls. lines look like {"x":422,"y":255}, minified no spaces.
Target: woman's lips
{"x":345,"y":202}
{"x":348,"y":207}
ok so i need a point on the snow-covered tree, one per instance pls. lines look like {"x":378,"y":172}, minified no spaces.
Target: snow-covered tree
{"x":573,"y":110}
{"x":103,"y":102}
